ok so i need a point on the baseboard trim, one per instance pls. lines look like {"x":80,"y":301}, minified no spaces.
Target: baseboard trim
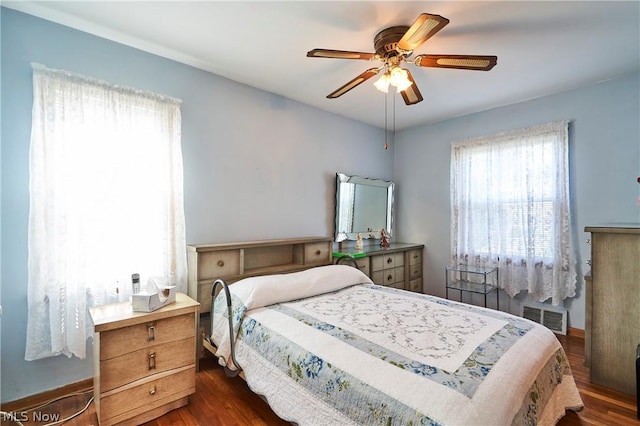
{"x":575,"y":332}
{"x":28,"y":402}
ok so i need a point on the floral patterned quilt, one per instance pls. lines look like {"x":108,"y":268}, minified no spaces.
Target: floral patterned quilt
{"x":362,"y":354}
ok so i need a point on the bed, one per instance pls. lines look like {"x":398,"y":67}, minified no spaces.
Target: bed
{"x":326,"y":346}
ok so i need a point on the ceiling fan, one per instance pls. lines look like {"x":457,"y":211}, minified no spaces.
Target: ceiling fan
{"x":395,"y":45}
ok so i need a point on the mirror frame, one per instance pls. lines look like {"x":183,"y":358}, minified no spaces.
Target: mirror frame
{"x":341,"y":181}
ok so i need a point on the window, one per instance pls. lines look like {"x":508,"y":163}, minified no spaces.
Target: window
{"x":510,"y":208}
{"x":106,"y":201}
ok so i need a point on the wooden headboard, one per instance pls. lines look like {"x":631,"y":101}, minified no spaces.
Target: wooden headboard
{"x":235,"y":261}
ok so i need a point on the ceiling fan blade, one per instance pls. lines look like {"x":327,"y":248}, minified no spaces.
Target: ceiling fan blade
{"x":353,"y":83}
{"x":411,"y":94}
{"x":463,"y":62}
{"x":339,"y":54}
{"x":421,"y":30}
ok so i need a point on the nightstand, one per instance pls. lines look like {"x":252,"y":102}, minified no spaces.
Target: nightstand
{"x":144,"y":363}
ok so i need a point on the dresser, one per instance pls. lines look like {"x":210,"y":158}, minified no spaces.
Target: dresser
{"x":398,"y":266}
{"x":612,"y":307}
{"x":144,"y":363}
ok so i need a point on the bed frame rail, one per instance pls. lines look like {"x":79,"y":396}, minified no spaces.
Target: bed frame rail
{"x":348,"y":259}
{"x":219,"y":282}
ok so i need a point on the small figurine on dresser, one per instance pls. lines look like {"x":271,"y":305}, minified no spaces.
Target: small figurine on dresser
{"x":384,"y":238}
{"x":359,"y":246}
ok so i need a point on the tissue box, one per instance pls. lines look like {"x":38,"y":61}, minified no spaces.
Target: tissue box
{"x":147,"y":302}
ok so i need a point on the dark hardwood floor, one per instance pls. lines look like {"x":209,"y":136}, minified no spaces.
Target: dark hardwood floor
{"x":240,"y":406}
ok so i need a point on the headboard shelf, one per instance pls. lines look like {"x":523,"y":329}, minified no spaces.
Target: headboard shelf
{"x":237,"y":260}
{"x":256,"y":243}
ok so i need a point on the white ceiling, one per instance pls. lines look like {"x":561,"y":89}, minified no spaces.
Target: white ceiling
{"x":543,"y":47}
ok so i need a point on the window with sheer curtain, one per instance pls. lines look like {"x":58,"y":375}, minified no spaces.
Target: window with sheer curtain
{"x":106,"y":201}
{"x":510,"y":208}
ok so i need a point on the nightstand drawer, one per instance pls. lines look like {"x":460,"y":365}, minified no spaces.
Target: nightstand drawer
{"x":129,"y":339}
{"x":135,"y":365}
{"x":143,"y":396}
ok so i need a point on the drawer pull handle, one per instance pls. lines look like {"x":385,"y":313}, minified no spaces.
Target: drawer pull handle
{"x":389,"y":278}
{"x":151,"y":336}
{"x":152,"y":391}
{"x":152,"y":361}
{"x":220,"y":263}
{"x":318,"y":252}
{"x":389,"y":260}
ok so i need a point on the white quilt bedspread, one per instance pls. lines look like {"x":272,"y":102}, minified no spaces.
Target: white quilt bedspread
{"x":369,"y":355}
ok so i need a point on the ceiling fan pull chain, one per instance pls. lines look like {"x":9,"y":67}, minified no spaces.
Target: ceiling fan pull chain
{"x":386,"y":128}
{"x":393,"y":99}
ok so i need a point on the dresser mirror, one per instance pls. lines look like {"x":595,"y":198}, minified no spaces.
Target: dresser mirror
{"x":363,"y":206}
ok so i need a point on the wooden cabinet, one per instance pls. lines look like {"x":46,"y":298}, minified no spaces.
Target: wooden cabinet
{"x":144,"y":363}
{"x":399,"y":265}
{"x":233,"y":261}
{"x":612,"y":331}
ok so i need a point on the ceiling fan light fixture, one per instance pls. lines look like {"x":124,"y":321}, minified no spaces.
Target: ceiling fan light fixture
{"x":399,"y":79}
{"x":402,"y":87}
{"x":382,"y":84}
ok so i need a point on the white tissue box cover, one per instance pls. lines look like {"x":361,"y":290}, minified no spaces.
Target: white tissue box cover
{"x":147,"y":302}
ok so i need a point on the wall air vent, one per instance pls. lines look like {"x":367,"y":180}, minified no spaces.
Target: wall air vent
{"x":552,"y":317}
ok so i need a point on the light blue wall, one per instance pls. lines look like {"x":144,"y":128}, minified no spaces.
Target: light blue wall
{"x":604,"y":165}
{"x":257,"y":165}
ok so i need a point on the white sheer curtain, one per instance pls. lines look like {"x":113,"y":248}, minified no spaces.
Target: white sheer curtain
{"x":510,"y":208}
{"x":106,"y":201}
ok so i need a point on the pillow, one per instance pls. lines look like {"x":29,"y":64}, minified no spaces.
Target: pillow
{"x":265,"y":290}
